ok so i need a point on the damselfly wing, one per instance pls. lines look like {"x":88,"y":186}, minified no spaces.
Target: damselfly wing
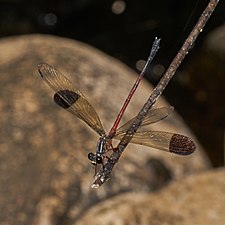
{"x":166,"y":141}
{"x":71,"y":99}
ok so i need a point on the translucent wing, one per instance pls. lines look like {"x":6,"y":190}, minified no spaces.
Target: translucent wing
{"x":70,"y":98}
{"x":153,"y":116}
{"x":166,"y":141}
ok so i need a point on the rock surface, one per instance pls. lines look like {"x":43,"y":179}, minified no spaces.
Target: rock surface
{"x":198,"y":199}
{"x":45,"y":174}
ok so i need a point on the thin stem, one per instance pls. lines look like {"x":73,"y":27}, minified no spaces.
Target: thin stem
{"x":104,"y":174}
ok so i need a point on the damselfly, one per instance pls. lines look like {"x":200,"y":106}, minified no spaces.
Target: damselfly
{"x":70,"y":98}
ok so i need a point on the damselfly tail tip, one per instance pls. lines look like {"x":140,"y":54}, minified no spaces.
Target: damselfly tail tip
{"x":157,"y":40}
{"x":182,"y":145}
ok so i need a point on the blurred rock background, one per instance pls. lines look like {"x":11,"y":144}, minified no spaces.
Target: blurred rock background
{"x":45,"y":175}
{"x":125,"y":30}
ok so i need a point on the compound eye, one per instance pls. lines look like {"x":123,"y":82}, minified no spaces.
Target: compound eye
{"x":99,"y":159}
{"x":91,"y":156}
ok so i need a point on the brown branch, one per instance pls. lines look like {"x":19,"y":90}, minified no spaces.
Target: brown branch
{"x":104,"y":174}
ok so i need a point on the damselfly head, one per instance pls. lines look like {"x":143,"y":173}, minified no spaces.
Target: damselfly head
{"x":92,"y":158}
{"x":95,"y":159}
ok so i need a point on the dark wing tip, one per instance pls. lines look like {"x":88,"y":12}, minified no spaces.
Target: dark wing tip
{"x":181,"y":145}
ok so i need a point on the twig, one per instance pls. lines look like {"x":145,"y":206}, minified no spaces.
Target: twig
{"x":104,"y":174}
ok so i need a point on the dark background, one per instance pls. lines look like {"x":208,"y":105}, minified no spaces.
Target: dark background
{"x":126,"y":30}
